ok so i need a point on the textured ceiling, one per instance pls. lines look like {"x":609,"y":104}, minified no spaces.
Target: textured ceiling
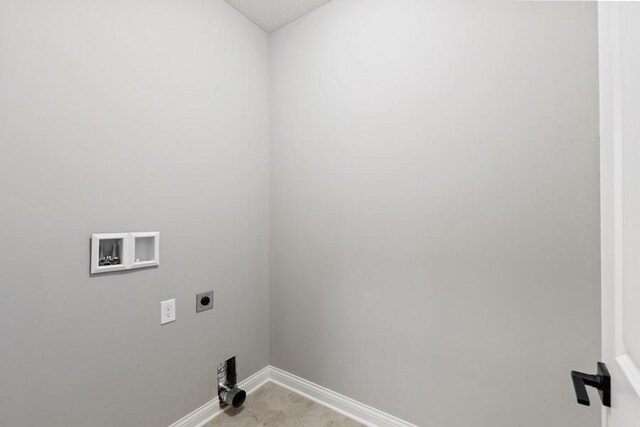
{"x":273,"y":14}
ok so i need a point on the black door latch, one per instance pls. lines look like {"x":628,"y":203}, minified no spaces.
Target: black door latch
{"x":601,"y":381}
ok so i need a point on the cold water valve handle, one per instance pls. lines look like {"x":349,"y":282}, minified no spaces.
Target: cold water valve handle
{"x":601,"y":381}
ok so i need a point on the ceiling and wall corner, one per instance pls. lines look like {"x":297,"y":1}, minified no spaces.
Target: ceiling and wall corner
{"x":273,"y":14}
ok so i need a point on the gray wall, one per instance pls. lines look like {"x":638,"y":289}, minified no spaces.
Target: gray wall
{"x":129,"y":115}
{"x":434,"y":204}
{"x":435,"y":214}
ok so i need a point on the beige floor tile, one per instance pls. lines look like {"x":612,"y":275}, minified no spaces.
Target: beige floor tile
{"x":275,"y":406}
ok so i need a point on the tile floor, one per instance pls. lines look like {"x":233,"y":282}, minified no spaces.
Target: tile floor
{"x":272,"y":405}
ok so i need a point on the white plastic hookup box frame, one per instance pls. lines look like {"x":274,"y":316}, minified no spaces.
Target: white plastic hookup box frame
{"x":124,"y":251}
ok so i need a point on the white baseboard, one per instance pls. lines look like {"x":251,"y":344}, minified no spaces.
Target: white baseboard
{"x":346,"y":406}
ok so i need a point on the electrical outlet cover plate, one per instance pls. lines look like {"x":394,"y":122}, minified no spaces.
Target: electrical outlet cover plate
{"x":204,"y":301}
{"x":167,"y":311}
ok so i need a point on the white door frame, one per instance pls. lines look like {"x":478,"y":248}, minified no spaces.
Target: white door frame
{"x":625,"y":372}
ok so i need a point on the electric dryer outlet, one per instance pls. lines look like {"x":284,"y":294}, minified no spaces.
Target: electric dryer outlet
{"x":204,"y":301}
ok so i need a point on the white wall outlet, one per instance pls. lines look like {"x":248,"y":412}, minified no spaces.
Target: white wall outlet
{"x":167,"y":311}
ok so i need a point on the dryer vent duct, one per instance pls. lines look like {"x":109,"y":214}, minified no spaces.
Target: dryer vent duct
{"x":228,"y":391}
